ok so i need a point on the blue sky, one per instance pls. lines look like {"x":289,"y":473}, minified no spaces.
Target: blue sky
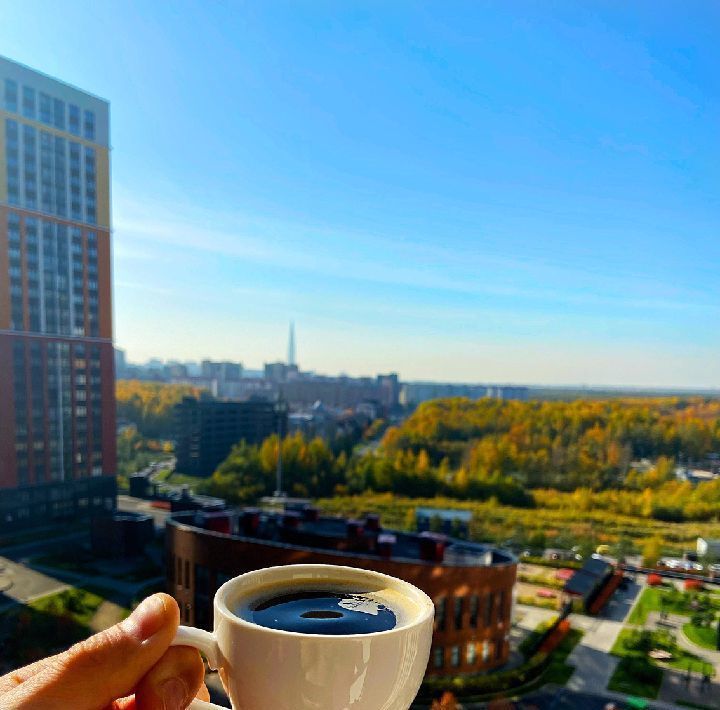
{"x":506,"y":191}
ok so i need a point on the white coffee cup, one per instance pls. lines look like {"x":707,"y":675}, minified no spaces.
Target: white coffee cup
{"x":266,"y":669}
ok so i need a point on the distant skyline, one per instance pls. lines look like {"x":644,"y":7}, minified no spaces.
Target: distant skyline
{"x":490,"y":192}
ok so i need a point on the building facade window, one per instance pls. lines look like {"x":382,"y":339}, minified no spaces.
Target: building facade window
{"x":471,"y":653}
{"x":89,"y":125}
{"x":90,"y":186}
{"x":15,"y":275}
{"x":34,"y":273}
{"x":30,"y":166}
{"x":28,"y":102}
{"x":60,"y":177}
{"x":458,"y":604}
{"x":455,"y":656}
{"x":46,"y":109}
{"x":75,"y":181}
{"x":74,"y":119}
{"x":474,"y":604}
{"x":21,"y":414}
{"x":440,"y":613}
{"x":438,"y":657}
{"x":59,"y":114}
{"x":12,"y":153}
{"x":49,"y":173}
{"x":47,"y":149}
{"x":488,"y":608}
{"x":10,"y":95}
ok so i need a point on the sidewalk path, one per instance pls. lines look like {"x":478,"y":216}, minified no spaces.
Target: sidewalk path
{"x":593,"y":663}
{"x":676,"y":622}
{"x":674,"y":688}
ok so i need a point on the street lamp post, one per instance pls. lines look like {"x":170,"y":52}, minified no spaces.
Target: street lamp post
{"x":281,"y":409}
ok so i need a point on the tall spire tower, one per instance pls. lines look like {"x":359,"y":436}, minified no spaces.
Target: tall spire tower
{"x":291,"y":345}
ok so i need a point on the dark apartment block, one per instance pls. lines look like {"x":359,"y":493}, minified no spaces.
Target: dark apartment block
{"x":206,"y":430}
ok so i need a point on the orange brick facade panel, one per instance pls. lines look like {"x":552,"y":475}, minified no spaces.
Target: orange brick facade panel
{"x":473,"y":603}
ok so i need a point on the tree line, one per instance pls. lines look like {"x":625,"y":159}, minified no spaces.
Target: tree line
{"x":561,"y":445}
{"x":523,"y":454}
{"x":149,"y":405}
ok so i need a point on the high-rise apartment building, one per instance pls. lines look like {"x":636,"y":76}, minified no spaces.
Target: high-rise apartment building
{"x":57,"y":398}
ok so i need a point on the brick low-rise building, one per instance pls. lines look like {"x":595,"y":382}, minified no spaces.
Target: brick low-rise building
{"x":471,"y":584}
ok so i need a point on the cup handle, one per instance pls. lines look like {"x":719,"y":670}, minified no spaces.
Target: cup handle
{"x":204,"y":641}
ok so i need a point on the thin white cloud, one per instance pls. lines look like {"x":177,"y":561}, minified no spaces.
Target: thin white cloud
{"x":142,"y":286}
{"x":452,"y":270}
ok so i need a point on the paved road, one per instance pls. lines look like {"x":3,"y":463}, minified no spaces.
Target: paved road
{"x":593,"y":663}
{"x":675,"y":686}
{"x":564,"y":699}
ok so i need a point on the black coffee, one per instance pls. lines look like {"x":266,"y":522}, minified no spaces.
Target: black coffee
{"x":323,"y":612}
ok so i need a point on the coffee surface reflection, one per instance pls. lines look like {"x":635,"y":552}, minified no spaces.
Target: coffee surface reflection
{"x":326,"y":612}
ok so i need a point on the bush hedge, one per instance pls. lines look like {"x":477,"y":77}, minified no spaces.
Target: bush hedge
{"x":492,"y":683}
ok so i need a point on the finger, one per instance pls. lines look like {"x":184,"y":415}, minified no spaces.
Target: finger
{"x":93,"y":673}
{"x":172,"y":682}
{"x":10,"y":680}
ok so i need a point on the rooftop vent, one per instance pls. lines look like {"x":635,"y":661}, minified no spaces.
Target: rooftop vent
{"x":432,"y":547}
{"x":372,"y":522}
{"x":385,"y":544}
{"x":250,"y":521}
{"x":354,"y":529}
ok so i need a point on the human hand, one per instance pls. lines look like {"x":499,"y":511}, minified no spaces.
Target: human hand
{"x":129,"y":666}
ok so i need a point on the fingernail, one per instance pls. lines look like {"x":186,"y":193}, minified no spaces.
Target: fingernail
{"x":174,"y":694}
{"x":147,"y":619}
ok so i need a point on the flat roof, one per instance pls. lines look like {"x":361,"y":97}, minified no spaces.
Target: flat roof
{"x":444,"y":514}
{"x":322,"y":534}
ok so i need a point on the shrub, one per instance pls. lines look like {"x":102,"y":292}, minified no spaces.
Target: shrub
{"x":642,"y":670}
{"x":639,"y":641}
{"x":492,"y":683}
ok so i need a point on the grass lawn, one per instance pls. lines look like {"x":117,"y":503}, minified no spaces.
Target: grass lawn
{"x":682,"y":659}
{"x":652,"y":599}
{"x":636,"y":676}
{"x":179,"y":479}
{"x":534,"y":600}
{"x":542,"y":580}
{"x":705,"y":636}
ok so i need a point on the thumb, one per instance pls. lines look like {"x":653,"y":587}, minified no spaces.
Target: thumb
{"x":104,"y":667}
